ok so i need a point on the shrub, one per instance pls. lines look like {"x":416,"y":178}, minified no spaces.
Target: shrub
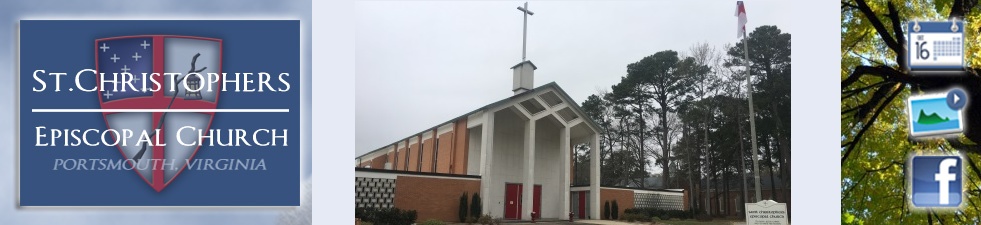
{"x":462,"y":213}
{"x":433,"y":222}
{"x":615,"y":210}
{"x":633,"y":217}
{"x":471,"y":220}
{"x":486,"y":220}
{"x":606,"y":210}
{"x":660,"y":213}
{"x":703,"y":217}
{"x":386,"y":216}
{"x":475,"y":207}
{"x":408,"y":217}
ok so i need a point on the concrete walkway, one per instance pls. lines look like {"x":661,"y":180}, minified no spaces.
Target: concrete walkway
{"x":608,"y":222}
{"x":546,"y":222}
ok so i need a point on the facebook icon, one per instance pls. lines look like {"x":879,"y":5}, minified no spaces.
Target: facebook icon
{"x":936,"y":181}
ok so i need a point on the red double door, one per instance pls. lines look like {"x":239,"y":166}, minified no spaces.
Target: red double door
{"x":512,"y":201}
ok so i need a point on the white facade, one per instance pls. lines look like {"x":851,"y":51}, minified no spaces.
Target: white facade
{"x":527,"y":140}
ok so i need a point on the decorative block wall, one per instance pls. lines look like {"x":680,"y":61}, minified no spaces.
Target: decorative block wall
{"x":658,"y":201}
{"x":374,"y":192}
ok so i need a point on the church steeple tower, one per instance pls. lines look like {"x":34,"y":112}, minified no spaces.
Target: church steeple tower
{"x":524,"y":72}
{"x":524,"y":77}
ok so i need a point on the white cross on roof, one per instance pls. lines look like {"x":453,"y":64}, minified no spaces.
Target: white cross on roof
{"x":107,"y":94}
{"x":114,"y":58}
{"x":145,"y":44}
{"x":104,"y":47}
{"x":125,"y":69}
{"x":136,"y":56}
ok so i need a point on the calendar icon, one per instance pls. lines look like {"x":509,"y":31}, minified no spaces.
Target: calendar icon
{"x":935,"y":45}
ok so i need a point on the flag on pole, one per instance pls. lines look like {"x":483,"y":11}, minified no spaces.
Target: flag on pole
{"x":741,"y":13}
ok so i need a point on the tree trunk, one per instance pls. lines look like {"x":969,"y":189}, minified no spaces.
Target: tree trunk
{"x":698,"y":195}
{"x":641,"y":144}
{"x":725,"y":177}
{"x":690,"y":169}
{"x":783,"y":146}
{"x":718,"y":194}
{"x":705,"y":123}
{"x":625,"y":142}
{"x":665,"y":146}
{"x":769,"y":162}
{"x":708,"y":182}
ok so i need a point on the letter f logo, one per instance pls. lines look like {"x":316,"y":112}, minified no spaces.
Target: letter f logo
{"x":944,"y":177}
{"x":936,"y":181}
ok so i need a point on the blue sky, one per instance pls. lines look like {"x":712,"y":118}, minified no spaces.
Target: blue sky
{"x":12,"y":11}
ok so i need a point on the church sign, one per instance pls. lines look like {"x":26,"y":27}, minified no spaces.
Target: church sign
{"x":766,"y":212}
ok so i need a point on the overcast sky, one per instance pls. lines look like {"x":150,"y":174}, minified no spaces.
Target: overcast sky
{"x":414,"y":57}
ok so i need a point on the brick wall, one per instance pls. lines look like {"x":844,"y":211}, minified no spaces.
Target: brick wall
{"x":444,"y":155}
{"x":427,"y":156}
{"x":625,"y":199}
{"x":400,"y":160}
{"x":391,"y":160}
{"x":460,"y":147}
{"x":433,"y":198}
{"x":413,"y":155}
{"x":379,"y":162}
{"x":423,"y":156}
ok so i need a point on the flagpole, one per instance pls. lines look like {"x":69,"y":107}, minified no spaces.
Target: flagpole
{"x":752,"y":120}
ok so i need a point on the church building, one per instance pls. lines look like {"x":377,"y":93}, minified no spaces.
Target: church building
{"x":516,"y":153}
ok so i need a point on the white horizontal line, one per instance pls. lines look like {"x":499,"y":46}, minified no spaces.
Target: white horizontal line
{"x":159,"y":110}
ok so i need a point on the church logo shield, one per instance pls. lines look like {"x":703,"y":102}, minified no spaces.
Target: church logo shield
{"x":139,"y":93}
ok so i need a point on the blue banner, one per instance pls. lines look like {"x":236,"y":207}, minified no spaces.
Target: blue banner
{"x":159,"y":113}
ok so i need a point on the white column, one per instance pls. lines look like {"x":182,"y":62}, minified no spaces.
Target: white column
{"x":486,"y":151}
{"x":594,"y":177}
{"x":564,"y":155}
{"x":528,"y":188}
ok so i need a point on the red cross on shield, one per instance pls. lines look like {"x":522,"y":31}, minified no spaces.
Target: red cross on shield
{"x":165,"y":112}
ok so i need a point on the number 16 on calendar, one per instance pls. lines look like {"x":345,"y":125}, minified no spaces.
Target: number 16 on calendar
{"x":935,"y":45}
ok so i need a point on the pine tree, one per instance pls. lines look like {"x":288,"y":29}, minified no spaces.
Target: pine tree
{"x":475,"y":207}
{"x":606,"y":210}
{"x":463,"y":208}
